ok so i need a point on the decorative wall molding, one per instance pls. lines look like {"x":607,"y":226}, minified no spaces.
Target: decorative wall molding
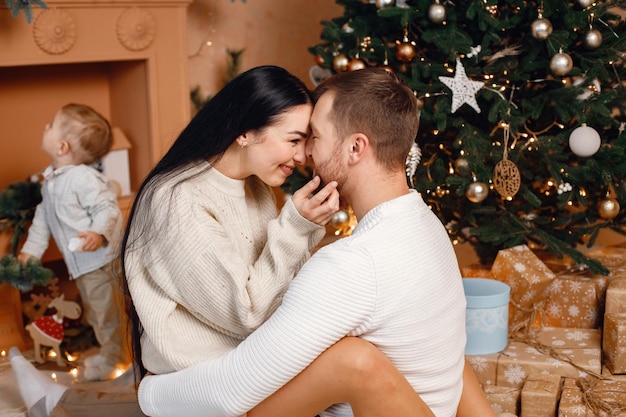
{"x":54,"y":31}
{"x":135,"y":29}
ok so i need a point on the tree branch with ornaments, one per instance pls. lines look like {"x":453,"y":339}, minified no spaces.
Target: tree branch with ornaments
{"x":522,"y":112}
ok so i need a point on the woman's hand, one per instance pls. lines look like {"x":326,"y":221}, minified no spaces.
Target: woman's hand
{"x":318,"y":207}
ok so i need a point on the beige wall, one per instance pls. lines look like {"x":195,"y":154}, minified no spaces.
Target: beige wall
{"x":274,"y":32}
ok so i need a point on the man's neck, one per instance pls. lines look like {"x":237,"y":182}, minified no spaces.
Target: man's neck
{"x":374,"y":190}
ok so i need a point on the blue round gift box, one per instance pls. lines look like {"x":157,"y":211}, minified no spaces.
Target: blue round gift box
{"x":487,"y":315}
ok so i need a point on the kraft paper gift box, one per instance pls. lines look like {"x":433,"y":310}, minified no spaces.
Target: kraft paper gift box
{"x":616,"y":296}
{"x":528,"y":278}
{"x":607,"y":374}
{"x":552,"y":350}
{"x":592,"y":398}
{"x":540,"y":395}
{"x":614,"y":342}
{"x":574,"y":301}
{"x":503,"y":399}
{"x":485,"y":367}
{"x":476,"y":271}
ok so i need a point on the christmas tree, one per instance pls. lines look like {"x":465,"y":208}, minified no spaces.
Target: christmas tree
{"x":522,"y":112}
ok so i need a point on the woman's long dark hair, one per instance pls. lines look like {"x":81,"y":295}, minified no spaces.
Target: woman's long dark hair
{"x":252,"y":101}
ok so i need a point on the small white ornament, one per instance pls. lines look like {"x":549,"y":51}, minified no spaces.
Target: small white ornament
{"x":564,"y":188}
{"x":584,"y":141}
{"x":463,"y":89}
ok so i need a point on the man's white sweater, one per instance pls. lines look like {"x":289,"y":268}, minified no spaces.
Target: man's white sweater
{"x":395,"y":282}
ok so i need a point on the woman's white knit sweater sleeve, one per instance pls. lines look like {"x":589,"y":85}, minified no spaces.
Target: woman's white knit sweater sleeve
{"x":218,"y":268}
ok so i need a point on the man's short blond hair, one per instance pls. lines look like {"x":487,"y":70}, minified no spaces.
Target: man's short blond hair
{"x":378,"y":104}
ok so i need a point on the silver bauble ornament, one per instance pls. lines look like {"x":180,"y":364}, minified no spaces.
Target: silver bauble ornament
{"x":584,"y":3}
{"x":340,"y":63}
{"x":436,"y":13}
{"x":346,"y":28}
{"x":592,"y":39}
{"x":584,"y":141}
{"x":340,"y":217}
{"x":477,"y":192}
{"x":540,"y":29}
{"x":383,"y":4}
{"x":608,"y":208}
{"x":561,"y":64}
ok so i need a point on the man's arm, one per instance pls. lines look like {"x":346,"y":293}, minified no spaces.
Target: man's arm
{"x":319,"y":308}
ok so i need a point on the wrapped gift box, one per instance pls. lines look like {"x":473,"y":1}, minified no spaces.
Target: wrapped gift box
{"x":593,"y":398}
{"x":503,"y":399}
{"x":574,"y":301}
{"x":528,"y":278}
{"x":616,"y":296}
{"x":540,"y":395}
{"x":476,"y":271}
{"x":565,"y":352}
{"x":614,"y":342}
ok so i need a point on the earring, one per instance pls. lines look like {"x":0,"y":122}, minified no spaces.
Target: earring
{"x":242,"y":145}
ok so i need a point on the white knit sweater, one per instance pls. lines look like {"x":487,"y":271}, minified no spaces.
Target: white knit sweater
{"x":216,"y":268}
{"x":395,"y":282}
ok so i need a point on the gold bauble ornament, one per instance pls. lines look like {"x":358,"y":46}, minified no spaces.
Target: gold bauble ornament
{"x":405,"y":51}
{"x":592,"y":39}
{"x":461,"y":166}
{"x":355,"y":64}
{"x":340,"y":63}
{"x":319,"y":60}
{"x":386,"y":68}
{"x":477,"y":192}
{"x":608,"y":208}
{"x":561,"y":64}
{"x":541,"y":29}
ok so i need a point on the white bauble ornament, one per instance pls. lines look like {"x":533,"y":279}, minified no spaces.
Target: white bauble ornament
{"x":436,"y":13}
{"x":584,"y":141}
{"x":383,"y":4}
{"x":584,"y":3}
{"x":561,"y":64}
{"x":540,"y":29}
{"x":477,"y":192}
{"x":593,"y":88}
{"x":592,"y":39}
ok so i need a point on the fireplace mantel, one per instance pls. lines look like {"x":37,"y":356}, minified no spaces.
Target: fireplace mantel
{"x":126,"y":59}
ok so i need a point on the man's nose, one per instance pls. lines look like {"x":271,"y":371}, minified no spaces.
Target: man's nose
{"x":300,"y":156}
{"x":308,"y":149}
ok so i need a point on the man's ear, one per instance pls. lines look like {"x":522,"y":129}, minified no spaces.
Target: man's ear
{"x":359,"y":145}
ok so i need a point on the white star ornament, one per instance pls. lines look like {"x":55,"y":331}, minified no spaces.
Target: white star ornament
{"x":463,"y":89}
